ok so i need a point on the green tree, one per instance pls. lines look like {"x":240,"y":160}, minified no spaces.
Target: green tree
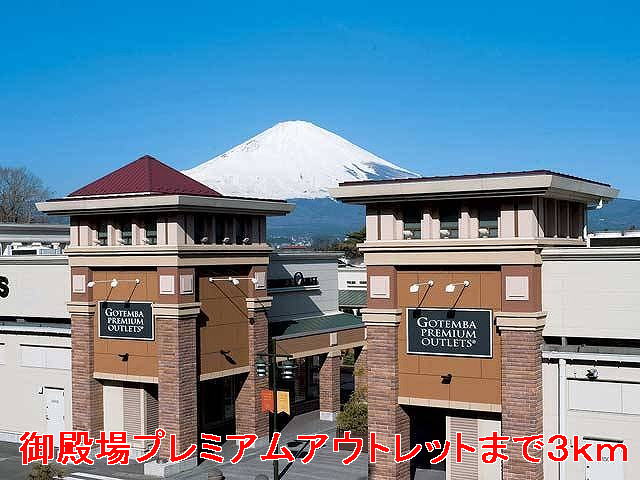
{"x":350,"y":244}
{"x":46,"y":472}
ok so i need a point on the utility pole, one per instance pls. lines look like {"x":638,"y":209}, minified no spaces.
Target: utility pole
{"x":269,"y":361}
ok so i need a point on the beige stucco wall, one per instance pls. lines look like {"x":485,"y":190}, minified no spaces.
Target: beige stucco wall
{"x":38,"y":287}
{"x":24,"y":408}
{"x":591,"y":296}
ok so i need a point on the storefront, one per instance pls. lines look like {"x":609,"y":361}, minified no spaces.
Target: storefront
{"x":455,"y":311}
{"x":172,"y":298}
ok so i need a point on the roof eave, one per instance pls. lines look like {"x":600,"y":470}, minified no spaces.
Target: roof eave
{"x":163,"y":203}
{"x":548,"y":185}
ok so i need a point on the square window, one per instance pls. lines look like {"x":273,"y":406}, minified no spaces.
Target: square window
{"x":379,"y":287}
{"x":517,"y":288}
{"x":167,"y":286}
{"x":186,"y":284}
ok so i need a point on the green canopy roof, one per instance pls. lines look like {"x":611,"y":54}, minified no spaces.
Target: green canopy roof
{"x":352,"y":298}
{"x":314,"y":325}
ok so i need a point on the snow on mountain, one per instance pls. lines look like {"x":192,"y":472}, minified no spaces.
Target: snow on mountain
{"x":293,"y":159}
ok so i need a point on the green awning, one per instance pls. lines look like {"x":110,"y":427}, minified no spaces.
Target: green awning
{"x":314,"y":325}
{"x":352,"y":298}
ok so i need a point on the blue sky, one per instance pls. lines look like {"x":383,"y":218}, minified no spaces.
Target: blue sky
{"x":478,"y":86}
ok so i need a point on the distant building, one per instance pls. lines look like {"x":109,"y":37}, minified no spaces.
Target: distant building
{"x":33,"y":238}
{"x":35,"y":345}
{"x":352,"y":286}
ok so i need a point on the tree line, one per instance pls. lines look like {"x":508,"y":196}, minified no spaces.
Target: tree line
{"x":20,"y":189}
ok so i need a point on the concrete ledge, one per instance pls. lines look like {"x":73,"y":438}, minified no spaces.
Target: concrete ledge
{"x":381,"y":316}
{"x":166,"y":469}
{"x":328,"y":416}
{"x":81,"y":308}
{"x":174,"y":310}
{"x":327,"y":349}
{"x":432,"y":402}
{"x":223,"y":373}
{"x":259,"y":303}
{"x":124,"y":378}
{"x":520,"y":320}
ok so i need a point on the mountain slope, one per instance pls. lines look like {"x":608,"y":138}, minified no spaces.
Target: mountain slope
{"x":619,"y":214}
{"x":293,"y":159}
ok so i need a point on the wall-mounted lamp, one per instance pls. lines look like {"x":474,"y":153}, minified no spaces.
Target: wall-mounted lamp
{"x":113,"y":283}
{"x":414,"y":288}
{"x":452,"y":286}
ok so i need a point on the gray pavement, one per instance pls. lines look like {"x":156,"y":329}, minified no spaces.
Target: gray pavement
{"x":325,"y":465}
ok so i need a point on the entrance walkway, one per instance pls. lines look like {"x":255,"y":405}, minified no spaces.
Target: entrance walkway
{"x":325,"y":465}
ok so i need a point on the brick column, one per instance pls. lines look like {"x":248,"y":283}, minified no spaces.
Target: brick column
{"x":86,"y":395}
{"x":360,"y":367}
{"x":176,"y":328}
{"x":522,"y":408}
{"x":386,"y":417}
{"x":330,"y":385}
{"x":249,"y":416}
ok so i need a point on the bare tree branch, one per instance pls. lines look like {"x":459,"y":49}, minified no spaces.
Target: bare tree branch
{"x":19,"y":191}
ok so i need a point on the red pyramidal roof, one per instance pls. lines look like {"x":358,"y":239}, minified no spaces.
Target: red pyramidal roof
{"x":145,"y":175}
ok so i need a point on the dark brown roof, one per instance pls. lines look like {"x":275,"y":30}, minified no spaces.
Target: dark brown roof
{"x":477,"y":175}
{"x":145,"y":175}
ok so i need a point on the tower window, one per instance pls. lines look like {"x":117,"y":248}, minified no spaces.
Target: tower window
{"x":125,"y":233}
{"x":102,"y":233}
{"x":202,"y":229}
{"x":449,"y":225}
{"x":488,"y":222}
{"x":412,"y":227}
{"x":151,"y":231}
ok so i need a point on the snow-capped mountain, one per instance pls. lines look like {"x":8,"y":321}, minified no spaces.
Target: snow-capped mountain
{"x":293,"y":159}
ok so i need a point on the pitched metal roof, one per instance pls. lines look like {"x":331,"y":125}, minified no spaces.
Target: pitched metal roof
{"x":314,"y":325}
{"x":352,"y":298}
{"x":145,"y":175}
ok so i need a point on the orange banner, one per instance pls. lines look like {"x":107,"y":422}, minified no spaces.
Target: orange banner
{"x":266,"y":397}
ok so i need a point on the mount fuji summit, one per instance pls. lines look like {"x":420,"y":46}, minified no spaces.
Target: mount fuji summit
{"x":298,"y":161}
{"x":290,"y":160}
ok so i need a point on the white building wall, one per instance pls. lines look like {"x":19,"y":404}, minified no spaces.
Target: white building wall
{"x":592,"y":292}
{"x":310,"y":301}
{"x":352,"y":274}
{"x":28,"y":365}
{"x":606,"y":409}
{"x":39,"y":286}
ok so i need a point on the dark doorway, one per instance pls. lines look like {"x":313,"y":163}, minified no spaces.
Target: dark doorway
{"x":427,"y":425}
